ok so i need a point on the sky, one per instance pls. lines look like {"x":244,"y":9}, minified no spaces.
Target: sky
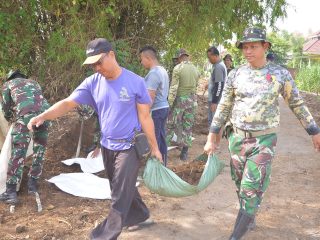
{"x":303,"y":17}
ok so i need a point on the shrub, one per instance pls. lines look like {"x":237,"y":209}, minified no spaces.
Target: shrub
{"x":308,"y":79}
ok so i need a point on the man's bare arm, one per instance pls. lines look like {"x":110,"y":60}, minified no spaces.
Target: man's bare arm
{"x":57,"y":110}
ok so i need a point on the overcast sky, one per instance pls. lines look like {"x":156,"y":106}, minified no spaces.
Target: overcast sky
{"x":303,"y":17}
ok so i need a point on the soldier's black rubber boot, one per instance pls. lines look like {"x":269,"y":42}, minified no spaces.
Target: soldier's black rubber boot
{"x":184,"y":154}
{"x":90,"y":149}
{"x":238,"y":218}
{"x":10,"y":195}
{"x":32,"y":185}
{"x":252,"y":225}
{"x":242,"y":227}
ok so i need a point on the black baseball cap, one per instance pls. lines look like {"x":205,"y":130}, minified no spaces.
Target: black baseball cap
{"x":95,"y":50}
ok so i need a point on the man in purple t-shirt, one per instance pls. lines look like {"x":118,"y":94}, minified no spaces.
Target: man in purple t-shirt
{"x":122,"y":102}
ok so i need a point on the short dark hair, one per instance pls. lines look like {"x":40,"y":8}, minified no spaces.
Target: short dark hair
{"x":149,"y":50}
{"x":228,"y":56}
{"x":213,"y":50}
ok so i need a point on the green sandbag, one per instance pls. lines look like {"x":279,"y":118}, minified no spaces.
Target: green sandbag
{"x":165,"y":182}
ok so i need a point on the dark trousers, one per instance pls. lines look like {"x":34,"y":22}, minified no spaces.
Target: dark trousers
{"x":160,"y":118}
{"x":127,"y":207}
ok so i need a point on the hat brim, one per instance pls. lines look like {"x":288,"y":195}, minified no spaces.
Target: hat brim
{"x":92,"y":59}
{"x":239,"y":43}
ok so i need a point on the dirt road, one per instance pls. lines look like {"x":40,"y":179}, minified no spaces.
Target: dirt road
{"x":290,"y":209}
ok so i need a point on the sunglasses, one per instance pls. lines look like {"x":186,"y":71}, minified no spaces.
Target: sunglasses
{"x":99,"y":61}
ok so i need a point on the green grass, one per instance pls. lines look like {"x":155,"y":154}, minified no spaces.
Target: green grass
{"x":308,"y":79}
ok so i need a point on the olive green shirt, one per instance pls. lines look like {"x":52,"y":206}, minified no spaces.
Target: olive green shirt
{"x":185,"y":77}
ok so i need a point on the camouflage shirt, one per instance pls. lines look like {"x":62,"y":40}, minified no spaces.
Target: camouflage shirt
{"x":250,"y":99}
{"x":20,"y":97}
{"x":85,"y":112}
{"x":185,"y":77}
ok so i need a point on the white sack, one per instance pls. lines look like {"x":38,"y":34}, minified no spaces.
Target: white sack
{"x":89,"y":164}
{"x":83,"y":185}
{"x":4,"y":159}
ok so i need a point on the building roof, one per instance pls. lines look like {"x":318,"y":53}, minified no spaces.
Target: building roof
{"x":312,"y":46}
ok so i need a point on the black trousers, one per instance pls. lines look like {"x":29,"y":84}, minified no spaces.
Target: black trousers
{"x":127,"y":207}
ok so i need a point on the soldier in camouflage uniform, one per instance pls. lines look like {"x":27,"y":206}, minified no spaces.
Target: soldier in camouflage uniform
{"x":250,"y":98}
{"x":183,"y":102}
{"x":86,"y":112}
{"x":22,"y":99}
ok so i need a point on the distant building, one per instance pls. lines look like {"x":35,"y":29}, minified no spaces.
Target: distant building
{"x":312,"y":46}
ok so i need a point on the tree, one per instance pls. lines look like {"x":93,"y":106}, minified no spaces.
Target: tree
{"x":287,"y":47}
{"x":47,"y":38}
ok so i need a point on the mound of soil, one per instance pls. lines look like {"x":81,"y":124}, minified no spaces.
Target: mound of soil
{"x":190,"y":172}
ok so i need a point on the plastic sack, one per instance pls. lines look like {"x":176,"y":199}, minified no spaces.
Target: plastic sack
{"x":165,"y":182}
{"x":5,"y":156}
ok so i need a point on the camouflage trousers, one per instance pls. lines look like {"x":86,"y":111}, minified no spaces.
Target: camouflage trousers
{"x":250,"y":164}
{"x":181,"y":119}
{"x":19,"y":146}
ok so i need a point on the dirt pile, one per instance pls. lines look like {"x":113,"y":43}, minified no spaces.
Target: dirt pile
{"x":190,"y":172}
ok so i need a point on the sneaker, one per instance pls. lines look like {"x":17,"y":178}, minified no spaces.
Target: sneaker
{"x":141,"y":225}
{"x":32,"y":185}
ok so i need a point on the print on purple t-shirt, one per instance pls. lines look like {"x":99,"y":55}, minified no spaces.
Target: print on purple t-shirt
{"x":115,"y":102}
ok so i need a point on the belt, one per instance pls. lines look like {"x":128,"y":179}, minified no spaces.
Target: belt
{"x":252,"y":134}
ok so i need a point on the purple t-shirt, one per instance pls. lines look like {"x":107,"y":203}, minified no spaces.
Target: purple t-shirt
{"x":115,"y":102}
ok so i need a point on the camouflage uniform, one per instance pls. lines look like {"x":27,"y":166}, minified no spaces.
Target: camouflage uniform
{"x":22,"y":99}
{"x":86,"y":112}
{"x":250,"y":97}
{"x":183,"y":102}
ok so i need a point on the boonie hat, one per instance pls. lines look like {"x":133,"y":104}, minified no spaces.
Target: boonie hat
{"x":95,"y":50}
{"x":252,"y":35}
{"x":181,"y":52}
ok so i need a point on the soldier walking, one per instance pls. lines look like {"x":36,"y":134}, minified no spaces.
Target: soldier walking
{"x":250,"y":98}
{"x":22,"y":99}
{"x":183,"y":102}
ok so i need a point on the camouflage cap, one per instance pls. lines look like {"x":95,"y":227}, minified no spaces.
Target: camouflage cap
{"x":252,"y":34}
{"x":181,"y":52}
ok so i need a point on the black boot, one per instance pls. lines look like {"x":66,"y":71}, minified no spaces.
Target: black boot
{"x":184,"y":154}
{"x":32,"y":185}
{"x":238,"y":218}
{"x":90,"y":149}
{"x":10,"y":195}
{"x":252,"y":224}
{"x":242,"y":227}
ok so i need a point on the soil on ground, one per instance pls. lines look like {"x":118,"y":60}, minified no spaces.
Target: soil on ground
{"x":290,"y":209}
